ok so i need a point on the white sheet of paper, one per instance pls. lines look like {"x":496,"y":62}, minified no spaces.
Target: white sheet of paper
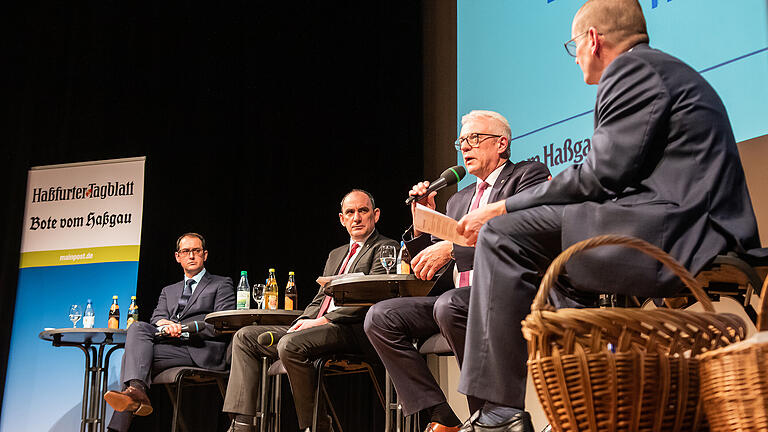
{"x":325,"y":280}
{"x":439,"y":225}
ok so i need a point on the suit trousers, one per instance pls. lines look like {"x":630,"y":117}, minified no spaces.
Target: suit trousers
{"x":392,"y":326}
{"x":243,"y":391}
{"x":512,"y":253}
{"x":143,"y":357}
{"x":299,"y":350}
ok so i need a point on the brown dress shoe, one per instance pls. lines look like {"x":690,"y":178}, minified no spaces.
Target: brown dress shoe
{"x":130,"y":399}
{"x":437,"y":427}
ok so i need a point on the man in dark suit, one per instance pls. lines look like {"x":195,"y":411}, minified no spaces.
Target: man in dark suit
{"x":322,"y":329}
{"x":392,"y":325}
{"x":146,"y":354}
{"x":663,"y":167}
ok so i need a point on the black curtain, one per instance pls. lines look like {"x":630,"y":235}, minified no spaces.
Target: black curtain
{"x":255,"y":118}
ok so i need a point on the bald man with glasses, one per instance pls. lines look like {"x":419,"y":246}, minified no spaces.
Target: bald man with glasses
{"x":147,"y":354}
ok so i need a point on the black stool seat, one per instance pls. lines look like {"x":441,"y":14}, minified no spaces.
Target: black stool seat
{"x":181,"y":376}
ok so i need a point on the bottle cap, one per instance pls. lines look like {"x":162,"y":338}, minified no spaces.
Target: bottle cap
{"x":271,"y":270}
{"x":243,"y":273}
{"x":133,"y":297}
{"x":290,"y":273}
{"x":114,"y":297}
{"x":89,"y":300}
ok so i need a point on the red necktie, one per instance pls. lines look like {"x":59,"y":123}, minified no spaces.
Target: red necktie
{"x":464,"y":276}
{"x":327,"y":299}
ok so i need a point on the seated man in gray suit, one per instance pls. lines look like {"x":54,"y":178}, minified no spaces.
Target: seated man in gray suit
{"x":199,"y":294}
{"x":322,"y":329}
{"x":663,"y":167}
{"x":393,"y":324}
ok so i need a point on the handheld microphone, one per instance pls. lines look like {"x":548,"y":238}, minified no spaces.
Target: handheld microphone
{"x":449,"y":177}
{"x":268,"y":338}
{"x":189,"y":328}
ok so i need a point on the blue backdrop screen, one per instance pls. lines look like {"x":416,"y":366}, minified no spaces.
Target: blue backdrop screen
{"x":511,"y":59}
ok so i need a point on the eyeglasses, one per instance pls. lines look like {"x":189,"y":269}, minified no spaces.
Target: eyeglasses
{"x":570,"y":46}
{"x":473,"y":140}
{"x":185,"y":252}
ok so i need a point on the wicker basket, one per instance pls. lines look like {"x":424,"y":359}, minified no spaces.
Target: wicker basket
{"x":622,"y":369}
{"x":734,"y":381}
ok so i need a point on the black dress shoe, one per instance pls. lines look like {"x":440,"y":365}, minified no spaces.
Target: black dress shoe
{"x":520,"y":422}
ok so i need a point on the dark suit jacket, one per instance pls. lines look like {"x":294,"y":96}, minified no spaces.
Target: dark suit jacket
{"x":514,"y":177}
{"x":663,"y":167}
{"x":367,"y":261}
{"x":213,"y":293}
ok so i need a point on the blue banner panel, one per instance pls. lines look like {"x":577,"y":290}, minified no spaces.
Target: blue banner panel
{"x":44,"y":384}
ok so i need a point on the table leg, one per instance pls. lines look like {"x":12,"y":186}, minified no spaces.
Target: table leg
{"x":263,"y":396}
{"x":103,"y":388}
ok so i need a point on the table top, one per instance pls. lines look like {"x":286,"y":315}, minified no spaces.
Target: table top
{"x":365,"y":290}
{"x":87,"y":336}
{"x":232,"y":320}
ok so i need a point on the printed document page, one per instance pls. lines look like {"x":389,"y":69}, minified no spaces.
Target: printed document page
{"x":437,"y":224}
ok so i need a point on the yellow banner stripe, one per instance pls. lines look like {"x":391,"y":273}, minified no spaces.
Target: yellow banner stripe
{"x":79,"y":256}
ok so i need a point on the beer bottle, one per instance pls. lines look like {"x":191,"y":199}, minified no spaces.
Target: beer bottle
{"x":271,"y":293}
{"x":133,"y":313}
{"x":114,"y":314}
{"x":290,"y":292}
{"x":403,"y":260}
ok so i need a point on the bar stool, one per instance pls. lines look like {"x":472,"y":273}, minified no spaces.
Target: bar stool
{"x":333,"y":365}
{"x":182,"y":376}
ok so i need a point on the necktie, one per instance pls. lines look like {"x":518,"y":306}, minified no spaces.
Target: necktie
{"x":184,"y":299}
{"x":327,"y":299}
{"x":464,"y":276}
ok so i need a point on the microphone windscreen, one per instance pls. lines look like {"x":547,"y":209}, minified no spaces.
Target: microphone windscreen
{"x":453,"y":174}
{"x":266,"y":339}
{"x":193,"y":327}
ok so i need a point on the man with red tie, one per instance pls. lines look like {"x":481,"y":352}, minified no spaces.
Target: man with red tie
{"x":322,"y":329}
{"x":392,"y":325}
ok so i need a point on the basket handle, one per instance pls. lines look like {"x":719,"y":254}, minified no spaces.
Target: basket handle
{"x":762,"y":317}
{"x":557,"y":266}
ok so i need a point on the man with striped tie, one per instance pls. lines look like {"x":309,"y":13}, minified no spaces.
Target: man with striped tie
{"x":322,"y":329}
{"x":199,"y":294}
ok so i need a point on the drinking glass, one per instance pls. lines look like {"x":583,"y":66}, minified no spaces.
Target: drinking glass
{"x":387,"y":256}
{"x":75,"y":314}
{"x":258,"y":295}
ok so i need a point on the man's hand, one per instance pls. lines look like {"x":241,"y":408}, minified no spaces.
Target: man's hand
{"x":429,"y":201}
{"x":308,"y":323}
{"x":171,"y":329}
{"x":427,"y":262}
{"x":469,"y":226}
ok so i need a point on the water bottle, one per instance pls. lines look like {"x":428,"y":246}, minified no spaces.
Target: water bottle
{"x":90,"y":317}
{"x":272,"y":291}
{"x":243,"y":292}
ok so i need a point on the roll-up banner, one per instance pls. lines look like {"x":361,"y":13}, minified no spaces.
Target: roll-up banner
{"x":80,"y":241}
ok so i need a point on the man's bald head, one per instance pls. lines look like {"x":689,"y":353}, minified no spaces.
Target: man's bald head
{"x":620,"y":21}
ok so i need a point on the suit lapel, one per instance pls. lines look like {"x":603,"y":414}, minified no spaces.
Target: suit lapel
{"x":366,"y":247}
{"x":501,"y":181}
{"x":173,"y":295}
{"x":337,"y":258}
{"x":206,"y":279}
